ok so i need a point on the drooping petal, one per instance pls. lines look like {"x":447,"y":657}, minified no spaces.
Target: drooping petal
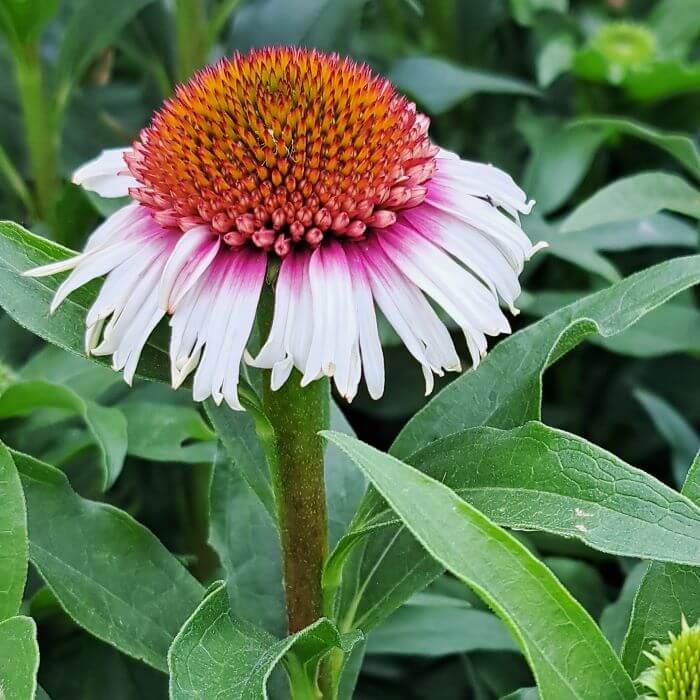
{"x":211,"y":326}
{"x":107,"y":175}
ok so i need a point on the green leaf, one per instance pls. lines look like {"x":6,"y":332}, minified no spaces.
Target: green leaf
{"x":13,"y":537}
{"x":672,"y":328}
{"x":19,"y":658}
{"x":319,"y":23}
{"x":667,"y":592}
{"x":440,"y":85}
{"x":87,"y":379}
{"x":633,"y":197}
{"x":566,"y":651}
{"x":429,"y":630}
{"x":506,"y":389}
{"x":90,"y":29}
{"x":345,"y":485}
{"x":167,"y":433}
{"x":22,"y":21}
{"x":555,"y":58}
{"x":110,"y":573}
{"x":578,"y":490}
{"x":616,"y":617}
{"x":680,"y":435}
{"x":660,"y":79}
{"x":27,"y":299}
{"x":218,"y":655}
{"x":559,"y":159}
{"x":681,"y":147}
{"x":106,"y":425}
{"x":524,"y":11}
{"x":562,"y":246}
{"x":236,"y":430}
{"x":676,"y":24}
{"x":246,"y":539}
{"x":657,"y":231}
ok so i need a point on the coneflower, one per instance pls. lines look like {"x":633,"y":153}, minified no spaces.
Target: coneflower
{"x":313,"y":163}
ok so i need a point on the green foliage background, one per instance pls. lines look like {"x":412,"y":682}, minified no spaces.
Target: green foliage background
{"x":129,"y":510}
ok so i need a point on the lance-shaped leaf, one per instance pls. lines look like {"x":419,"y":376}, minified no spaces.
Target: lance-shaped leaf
{"x":532,"y":478}
{"x":667,"y":592}
{"x":13,"y":537}
{"x":506,"y":389}
{"x":19,"y":658}
{"x":106,"y":425}
{"x":110,"y":573}
{"x":631,"y":197}
{"x":568,"y":654}
{"x":218,"y":655}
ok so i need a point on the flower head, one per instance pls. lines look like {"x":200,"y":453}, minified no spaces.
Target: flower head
{"x":675,"y":670}
{"x":314,"y":162}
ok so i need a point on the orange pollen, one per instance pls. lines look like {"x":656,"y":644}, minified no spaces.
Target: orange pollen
{"x":282,"y":147}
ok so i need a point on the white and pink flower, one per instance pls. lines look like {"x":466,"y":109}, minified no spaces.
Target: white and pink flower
{"x":314,"y":162}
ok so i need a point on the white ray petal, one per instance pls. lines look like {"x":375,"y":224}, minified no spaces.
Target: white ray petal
{"x":107,"y":175}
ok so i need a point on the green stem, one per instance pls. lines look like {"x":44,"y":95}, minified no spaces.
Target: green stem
{"x":39,"y":125}
{"x":296,"y":415}
{"x":191,"y":31}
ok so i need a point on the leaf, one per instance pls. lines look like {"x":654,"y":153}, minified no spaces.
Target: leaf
{"x":245,"y":537}
{"x":236,"y":430}
{"x":577,"y":490}
{"x":577,"y":252}
{"x":19,"y":658}
{"x":22,"y":21}
{"x":666,"y":592}
{"x":439,"y":631}
{"x":319,"y":23}
{"x":672,"y":328}
{"x":110,"y":574}
{"x":87,"y":379}
{"x":616,"y":616}
{"x":676,"y":24}
{"x":345,"y":485}
{"x":81,"y":667}
{"x":90,"y":29}
{"x":167,"y":433}
{"x":506,"y":389}
{"x":27,"y":299}
{"x":13,"y":537}
{"x":566,"y":651}
{"x":559,"y":159}
{"x":659,"y":230}
{"x":633,"y":197}
{"x":440,"y":85}
{"x":679,"y":434}
{"x":681,"y":147}
{"x":524,"y":11}
{"x":106,"y":425}
{"x":218,"y":655}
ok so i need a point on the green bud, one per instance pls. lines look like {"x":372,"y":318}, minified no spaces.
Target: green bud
{"x":675,"y":670}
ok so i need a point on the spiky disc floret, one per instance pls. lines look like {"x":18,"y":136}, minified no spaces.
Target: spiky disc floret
{"x":282,"y":148}
{"x":675,"y":670}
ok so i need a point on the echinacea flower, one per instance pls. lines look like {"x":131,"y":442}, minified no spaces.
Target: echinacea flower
{"x":312,"y":162}
{"x":675,"y":670}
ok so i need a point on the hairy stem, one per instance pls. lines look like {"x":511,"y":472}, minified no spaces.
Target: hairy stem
{"x":296,"y":414}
